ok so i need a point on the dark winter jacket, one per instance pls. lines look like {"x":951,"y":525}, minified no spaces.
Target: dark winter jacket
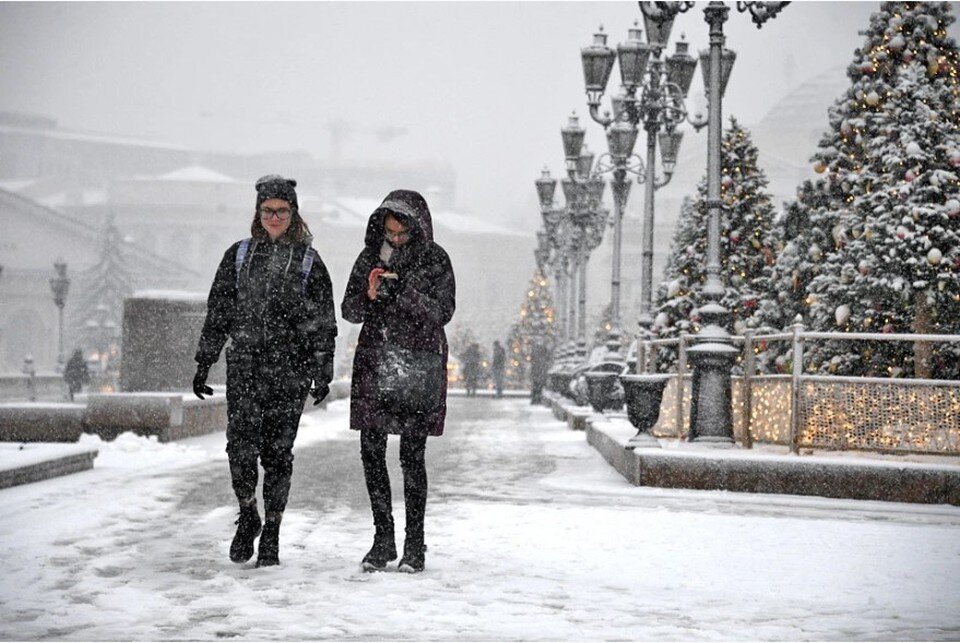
{"x":499,"y":361}
{"x":420,"y":302}
{"x":76,"y":372}
{"x":272,"y":314}
{"x":470,"y":361}
{"x":539,"y":362}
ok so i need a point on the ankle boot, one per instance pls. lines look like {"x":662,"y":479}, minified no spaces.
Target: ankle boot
{"x":383,"y":551}
{"x":248,"y":528}
{"x":414,"y":555}
{"x":268,"y":553}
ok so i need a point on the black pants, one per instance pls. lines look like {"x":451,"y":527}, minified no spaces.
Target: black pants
{"x":373,"y":453}
{"x":264,"y":404}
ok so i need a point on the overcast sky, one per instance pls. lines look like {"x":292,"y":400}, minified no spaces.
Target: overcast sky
{"x":484,"y":86}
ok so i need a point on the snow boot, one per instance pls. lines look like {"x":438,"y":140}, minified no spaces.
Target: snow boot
{"x":413,"y":557}
{"x":383,"y":551}
{"x":268,"y":553}
{"x":248,"y":528}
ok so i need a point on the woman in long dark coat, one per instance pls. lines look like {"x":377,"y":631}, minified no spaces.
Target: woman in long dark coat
{"x":273,"y":298}
{"x":402,"y":290}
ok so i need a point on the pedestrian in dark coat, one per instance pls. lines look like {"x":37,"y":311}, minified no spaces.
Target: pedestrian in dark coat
{"x":470,"y":360}
{"x":497,"y":366}
{"x":76,"y":373}
{"x":539,"y":365}
{"x":272,"y":297}
{"x":402,"y":290}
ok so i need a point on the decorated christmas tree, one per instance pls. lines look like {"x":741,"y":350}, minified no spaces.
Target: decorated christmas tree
{"x":674,"y":298}
{"x":890,"y":161}
{"x":783,"y":285}
{"x":745,"y":223}
{"x":535,"y":325}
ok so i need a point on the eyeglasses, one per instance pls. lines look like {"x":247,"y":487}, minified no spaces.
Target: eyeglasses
{"x":396,"y":236}
{"x":281,"y":213}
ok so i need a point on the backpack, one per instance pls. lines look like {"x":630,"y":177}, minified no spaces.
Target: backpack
{"x":305,"y":266}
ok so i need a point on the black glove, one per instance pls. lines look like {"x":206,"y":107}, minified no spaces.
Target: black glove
{"x":322,"y":378}
{"x":319,"y":392}
{"x":200,"y":387}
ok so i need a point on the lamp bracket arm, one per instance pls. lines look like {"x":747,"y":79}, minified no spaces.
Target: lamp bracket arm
{"x":635,"y":166}
{"x":659,"y":183}
{"x":603,"y":121}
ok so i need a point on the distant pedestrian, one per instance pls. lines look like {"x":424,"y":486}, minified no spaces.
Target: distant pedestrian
{"x":76,"y":373}
{"x":497,"y":366}
{"x":273,"y":298}
{"x":539,"y":365}
{"x":402,"y":290}
{"x":470,"y":361}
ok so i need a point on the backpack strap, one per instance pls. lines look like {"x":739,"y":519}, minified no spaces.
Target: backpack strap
{"x":241,"y":255}
{"x":306,"y":266}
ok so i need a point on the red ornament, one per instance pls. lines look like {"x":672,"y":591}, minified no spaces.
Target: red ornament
{"x":909,"y":175}
{"x":907,"y":56}
{"x":887,"y":328}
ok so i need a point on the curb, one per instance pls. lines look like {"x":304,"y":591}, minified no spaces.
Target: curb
{"x":47,"y":469}
{"x":688,"y":466}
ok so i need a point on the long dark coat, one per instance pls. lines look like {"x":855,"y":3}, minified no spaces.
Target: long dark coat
{"x":421,"y":302}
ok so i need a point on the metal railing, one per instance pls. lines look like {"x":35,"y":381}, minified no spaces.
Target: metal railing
{"x":800,"y":410}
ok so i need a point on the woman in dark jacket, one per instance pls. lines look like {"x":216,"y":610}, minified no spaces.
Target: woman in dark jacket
{"x":402,"y":290}
{"x":272,"y":297}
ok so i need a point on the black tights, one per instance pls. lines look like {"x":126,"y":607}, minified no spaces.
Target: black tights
{"x":373,"y":453}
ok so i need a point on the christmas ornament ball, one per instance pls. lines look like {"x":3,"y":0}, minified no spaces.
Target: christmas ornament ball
{"x":934,"y":257}
{"x":842,"y":314}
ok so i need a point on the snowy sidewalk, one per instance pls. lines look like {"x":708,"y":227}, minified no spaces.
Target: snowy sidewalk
{"x":532,"y":536}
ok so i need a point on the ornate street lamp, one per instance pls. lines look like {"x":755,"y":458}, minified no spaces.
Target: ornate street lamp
{"x":574,"y":231}
{"x":663,"y":87}
{"x":60,"y":285}
{"x":555,"y":231}
{"x":713,"y":355}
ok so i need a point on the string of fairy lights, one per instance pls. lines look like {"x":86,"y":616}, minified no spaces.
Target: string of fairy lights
{"x":838,"y":414}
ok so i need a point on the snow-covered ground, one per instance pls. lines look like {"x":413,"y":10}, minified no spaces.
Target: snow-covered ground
{"x":532,"y":536}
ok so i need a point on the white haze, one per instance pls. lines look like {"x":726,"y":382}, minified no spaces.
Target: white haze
{"x":483,"y":86}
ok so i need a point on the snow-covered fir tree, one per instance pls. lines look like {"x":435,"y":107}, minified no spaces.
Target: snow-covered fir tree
{"x":745,"y":221}
{"x":891,"y":158}
{"x":96,"y":319}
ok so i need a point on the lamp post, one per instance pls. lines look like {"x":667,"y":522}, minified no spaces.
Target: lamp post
{"x":60,"y":285}
{"x":713,"y":354}
{"x":574,"y":231}
{"x":663,"y":87}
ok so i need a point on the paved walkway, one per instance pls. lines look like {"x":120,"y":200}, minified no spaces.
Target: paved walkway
{"x":532,"y":536}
